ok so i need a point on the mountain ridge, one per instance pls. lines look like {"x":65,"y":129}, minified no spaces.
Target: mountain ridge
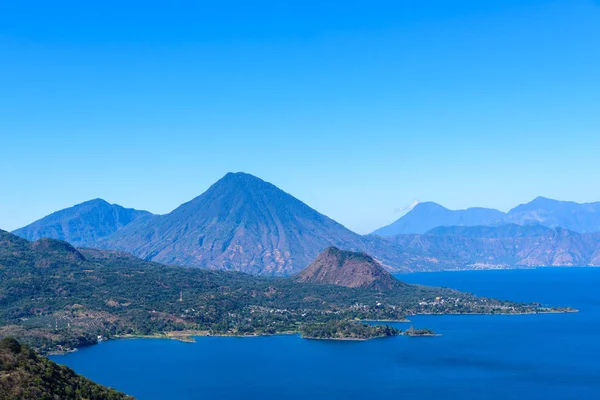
{"x":489,"y":247}
{"x":486,"y":231}
{"x":577,"y":217}
{"x":428,"y":215}
{"x":82,"y":223}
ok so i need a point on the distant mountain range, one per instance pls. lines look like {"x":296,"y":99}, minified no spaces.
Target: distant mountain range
{"x":82,"y":224}
{"x":492,"y":232}
{"x":426,"y":216}
{"x":482,"y":247}
{"x":581,"y":218}
{"x":243,"y":223}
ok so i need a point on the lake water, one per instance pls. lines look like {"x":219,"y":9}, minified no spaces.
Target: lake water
{"x":552,"y":356}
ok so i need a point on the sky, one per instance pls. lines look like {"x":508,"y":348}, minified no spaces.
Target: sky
{"x":357,"y":108}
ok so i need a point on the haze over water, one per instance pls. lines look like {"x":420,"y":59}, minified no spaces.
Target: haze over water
{"x":551,"y":356}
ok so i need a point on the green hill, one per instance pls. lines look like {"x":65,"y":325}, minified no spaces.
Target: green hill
{"x":26,"y":376}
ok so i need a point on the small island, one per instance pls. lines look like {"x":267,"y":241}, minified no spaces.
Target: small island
{"x":355,"y":330}
{"x":347,"y":330}
{"x":419,"y":332}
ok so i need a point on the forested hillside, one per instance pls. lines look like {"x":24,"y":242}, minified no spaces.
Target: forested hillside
{"x":26,"y":376}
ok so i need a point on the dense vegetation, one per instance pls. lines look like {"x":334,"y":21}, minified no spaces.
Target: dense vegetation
{"x":346,"y":330}
{"x":419,"y":332}
{"x":55,"y":297}
{"x":26,"y":376}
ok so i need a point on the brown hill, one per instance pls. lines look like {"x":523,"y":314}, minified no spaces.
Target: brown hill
{"x":346,"y":268}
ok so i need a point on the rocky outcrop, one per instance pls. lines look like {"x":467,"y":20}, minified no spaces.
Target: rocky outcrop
{"x":345,"y":268}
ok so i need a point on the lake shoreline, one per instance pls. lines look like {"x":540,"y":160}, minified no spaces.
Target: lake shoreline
{"x":545,"y":357}
{"x":188,"y":336}
{"x":500,"y":268}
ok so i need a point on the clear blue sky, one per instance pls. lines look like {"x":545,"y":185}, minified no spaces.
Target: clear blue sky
{"x":358,"y":110}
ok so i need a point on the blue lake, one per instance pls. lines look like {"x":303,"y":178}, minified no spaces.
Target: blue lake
{"x":551,"y":356}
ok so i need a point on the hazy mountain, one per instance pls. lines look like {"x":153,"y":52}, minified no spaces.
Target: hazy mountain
{"x":82,"y":223}
{"x":499,"y":231}
{"x":426,"y":216}
{"x":582,"y":218}
{"x":241,"y":223}
{"x":507,"y":246}
{"x":345,"y":268}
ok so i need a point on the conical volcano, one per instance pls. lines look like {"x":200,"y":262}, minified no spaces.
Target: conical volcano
{"x":240,"y":223}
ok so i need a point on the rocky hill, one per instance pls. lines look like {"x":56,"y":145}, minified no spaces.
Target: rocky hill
{"x":83,"y":223}
{"x":350,"y":269}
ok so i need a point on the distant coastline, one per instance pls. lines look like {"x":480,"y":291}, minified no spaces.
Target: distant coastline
{"x":504,"y":268}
